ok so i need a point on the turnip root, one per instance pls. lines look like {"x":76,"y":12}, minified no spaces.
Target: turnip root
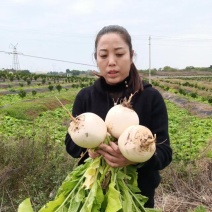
{"x":137,"y":143}
{"x":119,"y":117}
{"x":88,"y":130}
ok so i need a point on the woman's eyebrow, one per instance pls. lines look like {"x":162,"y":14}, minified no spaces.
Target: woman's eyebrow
{"x":117,"y":48}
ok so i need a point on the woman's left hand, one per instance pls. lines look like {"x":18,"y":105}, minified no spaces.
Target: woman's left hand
{"x":112,"y":155}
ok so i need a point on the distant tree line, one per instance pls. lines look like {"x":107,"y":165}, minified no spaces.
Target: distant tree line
{"x":171,"y":69}
{"x":75,"y":72}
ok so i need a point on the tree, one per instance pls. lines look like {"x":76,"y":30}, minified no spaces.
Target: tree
{"x":168,"y":68}
{"x":51,"y":87}
{"x":75,"y":72}
{"x":34,"y":92}
{"x":58,"y":87}
{"x":28,"y":81}
{"x":43,"y":81}
{"x":22,"y":93}
{"x":11,"y":78}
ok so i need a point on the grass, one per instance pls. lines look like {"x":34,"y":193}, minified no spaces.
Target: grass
{"x":31,"y":108}
{"x":186,"y":187}
{"x":30,"y":168}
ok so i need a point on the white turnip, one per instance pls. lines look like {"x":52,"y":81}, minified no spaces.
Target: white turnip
{"x":88,"y":130}
{"x":137,"y":143}
{"x":119,"y":117}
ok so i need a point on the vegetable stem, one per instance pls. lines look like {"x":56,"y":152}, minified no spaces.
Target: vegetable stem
{"x":72,"y":118}
{"x":76,"y":187}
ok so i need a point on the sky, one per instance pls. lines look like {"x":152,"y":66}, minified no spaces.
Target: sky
{"x":164,"y":32}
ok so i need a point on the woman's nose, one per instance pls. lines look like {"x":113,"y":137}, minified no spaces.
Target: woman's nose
{"x":111,"y":60}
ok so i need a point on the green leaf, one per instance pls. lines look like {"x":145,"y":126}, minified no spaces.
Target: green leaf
{"x":99,"y":198}
{"x":74,"y":205}
{"x":131,"y":171}
{"x":91,"y":173}
{"x":53,"y":205}
{"x":25,"y":206}
{"x":126,"y":197}
{"x":80,"y":195}
{"x":113,"y":199}
{"x":90,"y":199}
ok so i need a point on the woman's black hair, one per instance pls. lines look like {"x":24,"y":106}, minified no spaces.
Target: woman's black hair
{"x":134,"y":78}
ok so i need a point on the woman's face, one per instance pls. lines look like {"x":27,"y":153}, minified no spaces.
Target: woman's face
{"x":113,"y":58}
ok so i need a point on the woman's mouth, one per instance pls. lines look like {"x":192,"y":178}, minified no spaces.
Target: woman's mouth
{"x":112,"y":72}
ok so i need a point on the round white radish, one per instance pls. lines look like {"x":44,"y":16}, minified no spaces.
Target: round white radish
{"x":120,"y":117}
{"x":137,"y":143}
{"x":88,"y":130}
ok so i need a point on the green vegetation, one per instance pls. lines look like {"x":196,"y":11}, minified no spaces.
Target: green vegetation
{"x":189,"y":134}
{"x":198,"y":88}
{"x":33,"y":160}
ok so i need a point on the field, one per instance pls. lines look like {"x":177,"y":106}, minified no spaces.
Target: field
{"x":33,"y":160}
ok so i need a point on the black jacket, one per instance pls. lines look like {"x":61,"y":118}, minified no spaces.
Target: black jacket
{"x":151,"y":109}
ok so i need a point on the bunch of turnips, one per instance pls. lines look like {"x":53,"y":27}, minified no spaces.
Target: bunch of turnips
{"x":136,"y":142}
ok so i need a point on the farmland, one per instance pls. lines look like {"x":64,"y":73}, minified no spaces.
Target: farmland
{"x":33,"y":160}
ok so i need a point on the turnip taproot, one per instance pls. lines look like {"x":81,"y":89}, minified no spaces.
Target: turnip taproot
{"x":137,"y":143}
{"x":119,"y":117}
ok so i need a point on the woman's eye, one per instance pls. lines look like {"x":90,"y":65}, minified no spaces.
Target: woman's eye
{"x":119,"y":55}
{"x":103,"y":56}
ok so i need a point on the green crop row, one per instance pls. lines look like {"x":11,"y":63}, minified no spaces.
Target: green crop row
{"x":189,"y":135}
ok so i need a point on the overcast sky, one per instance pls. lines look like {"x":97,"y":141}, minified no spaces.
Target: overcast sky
{"x":180,"y":30}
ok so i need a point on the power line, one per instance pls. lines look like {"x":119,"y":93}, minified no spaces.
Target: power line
{"x":47,"y":58}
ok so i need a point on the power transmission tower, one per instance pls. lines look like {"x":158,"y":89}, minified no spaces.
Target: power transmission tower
{"x":15,"y":63}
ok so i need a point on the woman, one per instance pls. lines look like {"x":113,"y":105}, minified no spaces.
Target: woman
{"x":118,"y":79}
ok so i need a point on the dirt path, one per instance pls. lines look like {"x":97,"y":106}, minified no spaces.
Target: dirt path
{"x":196,"y":108}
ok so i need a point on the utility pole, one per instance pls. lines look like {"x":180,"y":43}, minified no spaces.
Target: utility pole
{"x":15,"y":64}
{"x":150,"y":59}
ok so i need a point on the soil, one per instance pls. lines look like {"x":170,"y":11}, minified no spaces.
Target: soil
{"x":201,"y":110}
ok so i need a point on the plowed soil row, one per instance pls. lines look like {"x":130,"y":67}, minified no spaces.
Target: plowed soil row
{"x":196,"y":108}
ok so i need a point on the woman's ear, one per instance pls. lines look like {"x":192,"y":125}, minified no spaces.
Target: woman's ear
{"x":95,"y":58}
{"x":132,"y":53}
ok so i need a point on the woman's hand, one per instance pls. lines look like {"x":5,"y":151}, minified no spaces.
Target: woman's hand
{"x":93,"y":154}
{"x":112,"y":155}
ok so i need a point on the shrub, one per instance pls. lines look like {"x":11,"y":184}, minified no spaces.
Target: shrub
{"x":193,"y":95}
{"x":22,"y":93}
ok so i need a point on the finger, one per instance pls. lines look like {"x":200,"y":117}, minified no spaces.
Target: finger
{"x":115,"y":147}
{"x":112,"y":148}
{"x":108,"y":156}
{"x":112,"y":164}
{"x":105,"y":148}
{"x":92,"y":154}
{"x":103,"y":153}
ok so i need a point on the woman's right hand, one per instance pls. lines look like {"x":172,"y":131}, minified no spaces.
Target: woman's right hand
{"x":93,"y":154}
